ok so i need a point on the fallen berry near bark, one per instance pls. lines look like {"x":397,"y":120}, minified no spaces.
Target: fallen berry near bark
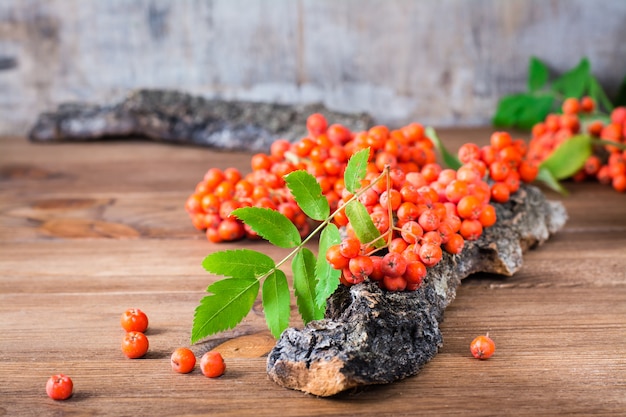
{"x":212,"y":364}
{"x":183,"y":360}
{"x":482,"y":347}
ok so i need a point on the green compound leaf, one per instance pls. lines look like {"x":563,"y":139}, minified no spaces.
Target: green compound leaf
{"x":303,"y":267}
{"x":308,"y":194}
{"x":569,"y":157}
{"x":534,"y":110}
{"x":239,"y":263}
{"x":270,"y":225}
{"x":574,"y":82}
{"x":362,"y":224}
{"x":230,"y":302}
{"x":508,"y":108}
{"x":276,"y":302}
{"x":327,"y":276}
{"x":356,"y":170}
{"x":523,"y":110}
{"x":537,"y":74}
{"x":449,"y":160}
{"x":548,"y":179}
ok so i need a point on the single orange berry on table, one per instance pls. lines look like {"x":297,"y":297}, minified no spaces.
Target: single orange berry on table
{"x":482,"y":347}
{"x":183,"y":360}
{"x":135,"y":320}
{"x":212,"y":364}
{"x":59,"y":387}
{"x":135,"y":345}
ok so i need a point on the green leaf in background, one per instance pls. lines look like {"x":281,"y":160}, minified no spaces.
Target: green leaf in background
{"x":575,"y":81}
{"x":303,"y":267}
{"x":308,"y":194}
{"x":508,"y":109}
{"x":548,"y":179}
{"x":523,"y":110}
{"x":276,"y":302}
{"x":239,"y":263}
{"x":356,"y":170}
{"x":537,"y":74}
{"x":534,"y":110}
{"x":270,"y":225}
{"x":230,"y":302}
{"x":327,"y":276}
{"x":569,"y":157}
{"x":597,"y":93}
{"x":362,"y":224}
{"x":449,"y":160}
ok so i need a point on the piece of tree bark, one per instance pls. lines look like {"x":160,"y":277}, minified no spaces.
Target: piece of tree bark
{"x":371,"y":336}
{"x":176,"y":117}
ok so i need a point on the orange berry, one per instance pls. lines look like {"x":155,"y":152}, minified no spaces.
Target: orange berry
{"x":500,"y":140}
{"x":471,"y":229}
{"x":469,"y":207}
{"x":487,"y":216}
{"x":587,"y":104}
{"x":571,"y":105}
{"x":316,"y":124}
{"x":212,"y":364}
{"x":455,"y":244}
{"x":260,"y":161}
{"x":619,"y":183}
{"x":500,"y":192}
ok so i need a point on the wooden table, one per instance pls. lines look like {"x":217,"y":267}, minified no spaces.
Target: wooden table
{"x":88,"y":230}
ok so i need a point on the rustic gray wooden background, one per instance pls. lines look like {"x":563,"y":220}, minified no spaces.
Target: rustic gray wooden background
{"x":439,"y":62}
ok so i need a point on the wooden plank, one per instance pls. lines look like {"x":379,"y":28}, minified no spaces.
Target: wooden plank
{"x":559,"y":324}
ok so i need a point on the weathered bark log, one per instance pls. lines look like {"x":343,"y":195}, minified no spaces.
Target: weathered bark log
{"x":371,"y":336}
{"x":176,"y":117}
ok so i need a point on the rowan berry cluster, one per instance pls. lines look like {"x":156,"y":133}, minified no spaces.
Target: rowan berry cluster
{"x":324,"y":153}
{"x":419,"y":208}
{"x":607,"y":164}
{"x":423,"y":212}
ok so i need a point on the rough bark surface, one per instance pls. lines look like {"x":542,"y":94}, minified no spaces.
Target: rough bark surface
{"x":176,"y":117}
{"x":370,"y":336}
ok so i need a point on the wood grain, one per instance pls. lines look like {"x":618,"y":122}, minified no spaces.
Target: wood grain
{"x":89,"y":230}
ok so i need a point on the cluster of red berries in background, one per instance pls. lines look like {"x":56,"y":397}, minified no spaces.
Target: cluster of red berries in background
{"x":135,"y":345}
{"x":607,"y":164}
{"x":419,"y":208}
